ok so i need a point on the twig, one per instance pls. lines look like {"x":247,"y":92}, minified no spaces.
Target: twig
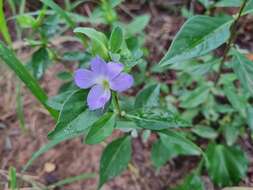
{"x":231,"y":39}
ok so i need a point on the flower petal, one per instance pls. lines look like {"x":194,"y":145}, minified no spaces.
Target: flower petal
{"x":98,"y":97}
{"x":84,"y":78}
{"x":98,"y":65}
{"x":114,"y":69}
{"x":122,"y":82}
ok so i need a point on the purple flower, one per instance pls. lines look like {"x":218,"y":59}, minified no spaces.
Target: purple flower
{"x":102,"y":78}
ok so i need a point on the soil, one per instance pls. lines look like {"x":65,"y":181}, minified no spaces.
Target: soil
{"x":72,"y":157}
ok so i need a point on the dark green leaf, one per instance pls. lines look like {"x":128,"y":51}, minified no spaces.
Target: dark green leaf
{"x":157,"y":119}
{"x":56,"y":102}
{"x":116,"y":39}
{"x":101,"y":129}
{"x":160,"y":154}
{"x":229,"y":3}
{"x":40,"y":61}
{"x":250,"y":117}
{"x":198,"y":36}
{"x":11,"y":60}
{"x":226,"y":165}
{"x":178,"y":143}
{"x":231,"y":133}
{"x":192,"y":182}
{"x":74,"y":117}
{"x":114,"y":159}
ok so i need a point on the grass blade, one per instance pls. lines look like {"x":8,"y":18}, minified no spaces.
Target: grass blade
{"x":12,"y":179}
{"x":45,"y":148}
{"x":11,"y":60}
{"x":73,"y":179}
{"x":3,"y":26}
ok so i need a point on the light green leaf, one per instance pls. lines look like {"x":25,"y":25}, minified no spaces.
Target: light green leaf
{"x":238,"y":102}
{"x":178,"y":143}
{"x":231,"y":133}
{"x":26,"y":21}
{"x":226,"y":165}
{"x":229,"y":3}
{"x":137,"y":25}
{"x":148,"y":97}
{"x":198,"y":36}
{"x":114,"y":159}
{"x":11,"y":60}
{"x":195,"y":98}
{"x":12,"y":179}
{"x":101,"y":129}
{"x":3,"y":25}
{"x":244,"y":70}
{"x":116,"y":39}
{"x":205,"y":132}
{"x":98,"y":39}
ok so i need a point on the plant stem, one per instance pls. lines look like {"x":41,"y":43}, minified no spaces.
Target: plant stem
{"x":116,"y":103}
{"x":231,"y":39}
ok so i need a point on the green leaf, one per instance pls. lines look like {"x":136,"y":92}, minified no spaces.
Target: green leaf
{"x":198,"y":36}
{"x":248,"y":8}
{"x":250,"y":118}
{"x":59,"y":11}
{"x":137,"y":25}
{"x":195,"y":98}
{"x":45,"y":148}
{"x":40,"y":61}
{"x":98,"y":39}
{"x":229,"y":3}
{"x":205,"y":132}
{"x":243,"y":68}
{"x":26,"y":21}
{"x":148,"y":97}
{"x":101,"y":129}
{"x":11,"y":60}
{"x":231,"y":133}
{"x":74,"y":118}
{"x":56,"y":102}
{"x":191,"y":182}
{"x":114,"y":159}
{"x":12,"y":179}
{"x":160,"y":154}
{"x":226,"y":165}
{"x":3,"y":25}
{"x":238,"y":102}
{"x":178,"y":143}
{"x":116,"y":39}
{"x":157,"y":119}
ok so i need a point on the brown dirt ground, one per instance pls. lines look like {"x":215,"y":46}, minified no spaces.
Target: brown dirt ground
{"x":73,"y":157}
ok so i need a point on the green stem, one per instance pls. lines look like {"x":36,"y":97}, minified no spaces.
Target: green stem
{"x":115,"y":101}
{"x":233,"y":35}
